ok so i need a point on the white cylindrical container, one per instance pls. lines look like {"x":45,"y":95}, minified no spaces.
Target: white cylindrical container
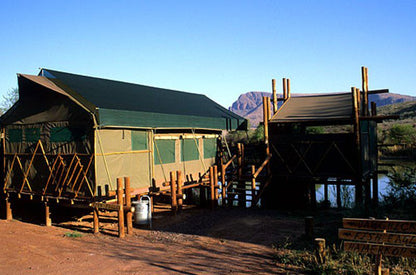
{"x":143,"y":210}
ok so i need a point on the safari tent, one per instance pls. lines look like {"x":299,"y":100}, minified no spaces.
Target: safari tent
{"x":69,"y":135}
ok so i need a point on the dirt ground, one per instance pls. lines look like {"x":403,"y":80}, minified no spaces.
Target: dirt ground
{"x":195,"y":241}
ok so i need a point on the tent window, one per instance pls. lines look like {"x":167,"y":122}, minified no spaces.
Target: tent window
{"x":14,"y":135}
{"x":210,"y":148}
{"x":189,"y":150}
{"x":166,"y":150}
{"x":32,"y":134}
{"x":139,"y":140}
{"x":65,"y":134}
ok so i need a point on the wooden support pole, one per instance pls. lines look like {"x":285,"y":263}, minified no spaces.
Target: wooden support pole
{"x":253,"y":180}
{"x":180,"y":192}
{"x":212,"y":186}
{"x":48,"y":221}
{"x":96,"y":220}
{"x":266,"y":125}
{"x":309,"y":226}
{"x":367,"y":189}
{"x":239,"y":161}
{"x":99,"y":192}
{"x":174,"y":203}
{"x":274,"y":96}
{"x":216,"y":181}
{"x":358,"y":193}
{"x":129,"y":214}
{"x":313,"y":195}
{"x":284,"y":89}
{"x":375,"y":190}
{"x":339,"y":204}
{"x":224,"y":187}
{"x":326,"y":193}
{"x":107,"y":190}
{"x":9,"y":214}
{"x":373,"y":108}
{"x":120,"y":216}
{"x":364,"y":76}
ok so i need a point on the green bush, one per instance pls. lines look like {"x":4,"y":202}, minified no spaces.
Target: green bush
{"x":402,"y":133}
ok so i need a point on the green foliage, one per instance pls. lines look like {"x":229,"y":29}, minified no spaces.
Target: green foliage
{"x":400,"y":196}
{"x":251,"y":136}
{"x":314,"y":130}
{"x":73,"y":234}
{"x":402,"y":133}
{"x":11,"y":97}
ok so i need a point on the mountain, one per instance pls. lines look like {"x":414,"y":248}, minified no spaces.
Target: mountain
{"x":250,"y":105}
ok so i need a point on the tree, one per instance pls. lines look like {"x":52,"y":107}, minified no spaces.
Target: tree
{"x":402,"y":133}
{"x":9,"y":99}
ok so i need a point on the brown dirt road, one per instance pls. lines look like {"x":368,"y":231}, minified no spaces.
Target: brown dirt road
{"x":196,"y":242}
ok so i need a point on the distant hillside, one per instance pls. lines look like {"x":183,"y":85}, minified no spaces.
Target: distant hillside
{"x":406,"y":111}
{"x":250,"y":106}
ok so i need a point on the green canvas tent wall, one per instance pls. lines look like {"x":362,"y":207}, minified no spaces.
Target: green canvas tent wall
{"x":70,"y":133}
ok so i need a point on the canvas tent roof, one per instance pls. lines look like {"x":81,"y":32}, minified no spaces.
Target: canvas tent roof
{"x":131,"y":105}
{"x":317,"y":108}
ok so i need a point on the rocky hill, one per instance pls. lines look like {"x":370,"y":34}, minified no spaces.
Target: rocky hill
{"x":250,"y":105}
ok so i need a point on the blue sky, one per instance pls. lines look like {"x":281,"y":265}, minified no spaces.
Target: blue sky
{"x":218,"y":48}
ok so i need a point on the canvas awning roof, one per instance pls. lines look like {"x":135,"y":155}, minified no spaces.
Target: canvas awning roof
{"x":316,"y":108}
{"x":124,"y":104}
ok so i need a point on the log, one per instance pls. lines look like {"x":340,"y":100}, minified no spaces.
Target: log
{"x":48,"y":221}
{"x":96,"y":222}
{"x":174,"y":205}
{"x":180,"y":192}
{"x":9,"y":214}
{"x":129,"y":215}
{"x":121,"y":233}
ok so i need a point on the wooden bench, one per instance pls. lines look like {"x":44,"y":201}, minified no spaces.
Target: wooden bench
{"x":379,"y":237}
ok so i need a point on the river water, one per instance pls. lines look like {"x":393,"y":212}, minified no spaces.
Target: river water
{"x":383,"y":182}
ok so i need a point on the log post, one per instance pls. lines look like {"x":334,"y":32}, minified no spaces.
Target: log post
{"x":309,"y":226}
{"x":96,"y":221}
{"x":216,"y":183}
{"x":373,"y":108}
{"x":107,"y":190}
{"x":339,"y":204}
{"x":121,"y":233}
{"x":364,"y":76}
{"x":375,"y":189}
{"x":48,"y":221}
{"x":253,"y":181}
{"x":241,"y":183}
{"x":129,"y":214}
{"x":358,"y":181}
{"x":212,"y":186}
{"x":179,"y":192}
{"x":99,"y":192}
{"x":313,"y":195}
{"x":320,"y":252}
{"x":9,"y":214}
{"x":326,"y":197}
{"x":174,"y":203}
{"x":274,"y":96}
{"x":284,"y":89}
{"x":224,"y":188}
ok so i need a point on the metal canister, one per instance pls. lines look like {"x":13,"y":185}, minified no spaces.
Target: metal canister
{"x":143,"y":210}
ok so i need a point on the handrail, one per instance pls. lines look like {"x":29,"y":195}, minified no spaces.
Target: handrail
{"x":230,"y":161}
{"x":265,"y":162}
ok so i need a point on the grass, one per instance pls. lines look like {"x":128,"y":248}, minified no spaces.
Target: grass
{"x":73,"y":234}
{"x":298,"y":254}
